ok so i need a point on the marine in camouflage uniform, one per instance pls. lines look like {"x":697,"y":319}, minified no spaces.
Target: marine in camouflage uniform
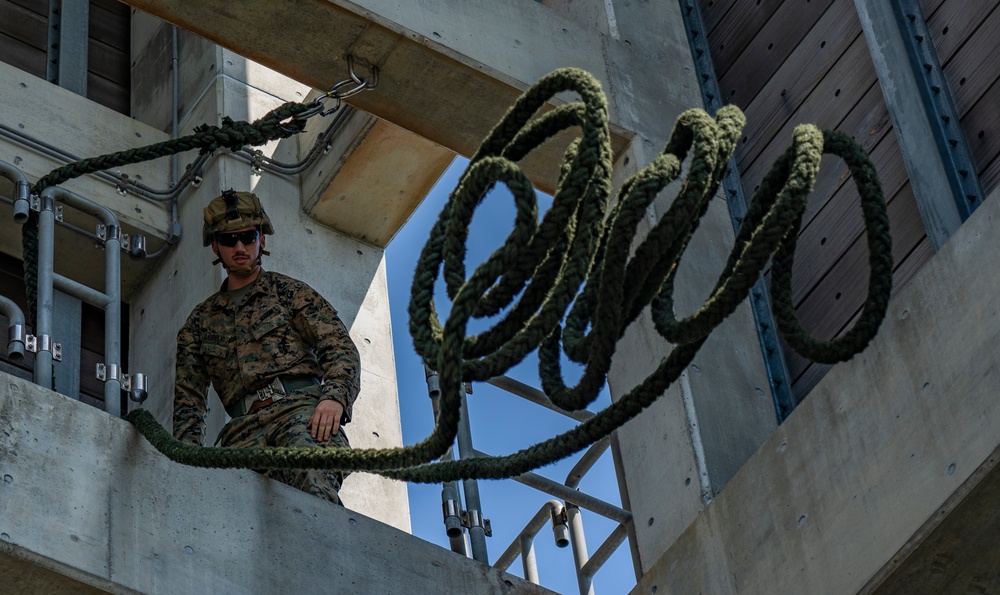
{"x":260,"y":330}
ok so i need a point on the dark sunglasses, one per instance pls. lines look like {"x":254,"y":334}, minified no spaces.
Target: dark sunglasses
{"x":229,"y":238}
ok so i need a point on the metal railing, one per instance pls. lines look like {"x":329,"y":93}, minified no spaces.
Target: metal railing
{"x":565,"y":513}
{"x":42,"y":343}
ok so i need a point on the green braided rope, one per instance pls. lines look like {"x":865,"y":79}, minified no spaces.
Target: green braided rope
{"x":233,"y":135}
{"x":578,"y":268}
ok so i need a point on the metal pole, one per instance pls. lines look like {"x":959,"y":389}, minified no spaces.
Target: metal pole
{"x":473,"y":505}
{"x":532,"y":394}
{"x":16,"y":333}
{"x":579,"y":542}
{"x":528,"y":562}
{"x":43,"y":319}
{"x":15,"y":175}
{"x":451,"y":499}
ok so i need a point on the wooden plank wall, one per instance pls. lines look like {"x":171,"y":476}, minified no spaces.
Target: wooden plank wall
{"x":24,"y":37}
{"x":786,"y":62}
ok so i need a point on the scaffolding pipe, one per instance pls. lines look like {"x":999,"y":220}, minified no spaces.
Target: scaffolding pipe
{"x":16,"y":334}
{"x":85,"y":294}
{"x":473,"y":504}
{"x":21,"y":185}
{"x":45,"y":292}
{"x":549,"y":510}
{"x":451,"y":500}
{"x":571,"y":495}
{"x":587,"y":461}
{"x":604,"y":552}
{"x":579,"y":543}
{"x":112,"y":287}
{"x":536,"y":396}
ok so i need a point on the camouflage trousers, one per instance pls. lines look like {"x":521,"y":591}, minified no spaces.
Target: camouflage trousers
{"x":283,"y":423}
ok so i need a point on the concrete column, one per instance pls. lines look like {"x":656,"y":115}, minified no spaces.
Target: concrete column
{"x":349,"y":273}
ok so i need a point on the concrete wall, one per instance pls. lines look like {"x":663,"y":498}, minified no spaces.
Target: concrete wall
{"x":350,"y":274}
{"x":876,"y":456}
{"x":83,"y":495}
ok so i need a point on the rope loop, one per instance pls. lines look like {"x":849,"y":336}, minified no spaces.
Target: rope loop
{"x":572,"y":283}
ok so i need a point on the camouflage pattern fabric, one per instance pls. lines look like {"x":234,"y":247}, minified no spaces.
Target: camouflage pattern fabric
{"x":281,"y":327}
{"x":283,"y":423}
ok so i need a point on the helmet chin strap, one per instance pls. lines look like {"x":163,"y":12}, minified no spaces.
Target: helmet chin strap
{"x":240,"y":271}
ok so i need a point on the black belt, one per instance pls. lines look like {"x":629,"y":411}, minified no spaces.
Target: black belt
{"x":274,"y":391}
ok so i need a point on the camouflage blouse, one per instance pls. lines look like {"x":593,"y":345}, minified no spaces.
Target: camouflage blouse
{"x":281,"y":327}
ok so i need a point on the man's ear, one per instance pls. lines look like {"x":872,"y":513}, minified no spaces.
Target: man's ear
{"x":215,"y":247}
{"x":263,"y":241}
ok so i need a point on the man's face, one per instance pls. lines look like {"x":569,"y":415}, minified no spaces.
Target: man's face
{"x":242,"y":256}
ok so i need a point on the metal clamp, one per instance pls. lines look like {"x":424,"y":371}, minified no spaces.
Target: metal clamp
{"x":39,"y":204}
{"x":134,"y":384}
{"x":473,"y":518}
{"x":256,"y":162}
{"x":115,"y":233}
{"x":106,"y":372}
{"x":43,"y":343}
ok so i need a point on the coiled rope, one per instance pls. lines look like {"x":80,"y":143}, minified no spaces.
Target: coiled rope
{"x":567,"y":283}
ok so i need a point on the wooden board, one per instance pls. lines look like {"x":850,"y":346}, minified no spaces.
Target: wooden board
{"x":772,"y":45}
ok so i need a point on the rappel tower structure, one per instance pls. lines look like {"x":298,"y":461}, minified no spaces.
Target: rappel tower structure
{"x":756,"y":472}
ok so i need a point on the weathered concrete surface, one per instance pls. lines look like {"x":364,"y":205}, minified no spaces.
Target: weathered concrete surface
{"x":730,"y":412}
{"x":83,"y":489}
{"x":873,"y":456}
{"x":448,"y":69}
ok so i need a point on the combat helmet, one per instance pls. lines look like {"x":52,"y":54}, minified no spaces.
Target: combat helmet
{"x":234,"y":210}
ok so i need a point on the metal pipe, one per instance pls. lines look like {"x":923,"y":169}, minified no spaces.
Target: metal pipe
{"x":21,"y":186}
{"x":530,"y":529}
{"x":604,"y":552}
{"x":529,"y":564}
{"x":16,"y":334}
{"x":571,"y":495}
{"x":112,"y":289}
{"x":473,"y":504}
{"x":80,"y":291}
{"x":45,"y":298}
{"x":451,"y":499}
{"x":587,"y":461}
{"x":536,"y":396}
{"x":579,"y":542}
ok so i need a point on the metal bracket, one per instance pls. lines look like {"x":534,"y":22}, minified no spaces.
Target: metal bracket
{"x":43,"y":343}
{"x":102,"y":234}
{"x":760,"y":304}
{"x":943,"y":115}
{"x":473,"y":518}
{"x":35,"y":203}
{"x":257,"y":162}
{"x":107,"y":372}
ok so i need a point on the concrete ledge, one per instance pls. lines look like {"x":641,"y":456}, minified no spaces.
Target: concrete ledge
{"x":83,"y":491}
{"x":877,"y":450}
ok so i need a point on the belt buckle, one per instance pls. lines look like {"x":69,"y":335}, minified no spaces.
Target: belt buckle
{"x":273,"y":389}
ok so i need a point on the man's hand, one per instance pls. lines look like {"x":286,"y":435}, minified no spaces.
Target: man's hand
{"x":325,"y":421}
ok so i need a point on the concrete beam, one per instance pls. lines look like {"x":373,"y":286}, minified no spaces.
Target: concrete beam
{"x":447,"y":75}
{"x":875,"y":458}
{"x":372,"y":179}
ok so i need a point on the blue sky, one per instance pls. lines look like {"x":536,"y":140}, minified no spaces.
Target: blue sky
{"x":501,"y":423}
